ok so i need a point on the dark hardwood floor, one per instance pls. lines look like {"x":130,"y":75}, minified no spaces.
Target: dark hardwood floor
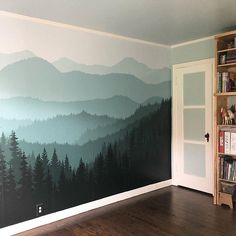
{"x":169,"y":211}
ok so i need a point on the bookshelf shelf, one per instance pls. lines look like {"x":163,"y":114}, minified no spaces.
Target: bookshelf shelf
{"x":226,"y":94}
{"x":227,"y":65}
{"x":225,"y":140}
{"x":226,"y":180}
{"x":227,"y":50}
{"x":226,"y":126}
{"x":227,"y":155}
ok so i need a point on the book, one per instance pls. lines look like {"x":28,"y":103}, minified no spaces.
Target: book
{"x":219,"y":76}
{"x":227,"y":142}
{"x":233,"y":143}
{"x":221,"y":167}
{"x":221,"y":141}
{"x":225,"y":80}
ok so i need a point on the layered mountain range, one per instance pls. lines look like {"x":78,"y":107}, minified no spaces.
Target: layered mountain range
{"x":36,"y":77}
{"x":127,"y":65}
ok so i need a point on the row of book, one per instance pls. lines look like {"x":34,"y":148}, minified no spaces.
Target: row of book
{"x":231,"y":57}
{"x":226,"y":82}
{"x":227,"y":141}
{"x":228,"y":168}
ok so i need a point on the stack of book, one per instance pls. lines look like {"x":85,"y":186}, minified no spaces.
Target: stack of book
{"x":228,"y":168}
{"x":230,"y":57}
{"x":225,"y":82}
{"x":227,"y":141}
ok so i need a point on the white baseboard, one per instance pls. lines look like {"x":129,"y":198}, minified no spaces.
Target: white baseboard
{"x":43,"y":220}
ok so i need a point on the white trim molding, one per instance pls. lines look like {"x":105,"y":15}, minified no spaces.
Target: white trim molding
{"x":47,"y":219}
{"x":192,"y":42}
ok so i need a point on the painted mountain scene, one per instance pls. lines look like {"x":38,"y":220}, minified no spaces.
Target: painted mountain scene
{"x":72,"y":133}
{"x":73,"y":137}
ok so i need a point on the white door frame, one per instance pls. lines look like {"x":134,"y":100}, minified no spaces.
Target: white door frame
{"x":175,"y":131}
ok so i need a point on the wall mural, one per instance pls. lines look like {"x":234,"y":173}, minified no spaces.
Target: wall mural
{"x":76,"y":130}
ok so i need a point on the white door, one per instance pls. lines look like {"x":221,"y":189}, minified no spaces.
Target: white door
{"x":192,"y":124}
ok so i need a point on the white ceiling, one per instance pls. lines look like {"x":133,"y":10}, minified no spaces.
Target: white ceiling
{"x":160,"y":21}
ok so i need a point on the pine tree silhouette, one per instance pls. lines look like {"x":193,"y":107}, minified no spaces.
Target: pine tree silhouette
{"x":15,"y":153}
{"x":3,"y":187}
{"x":11,"y":199}
{"x":25,"y":189}
{"x":45,"y":161}
{"x":55,"y":168}
{"x":38,"y":179}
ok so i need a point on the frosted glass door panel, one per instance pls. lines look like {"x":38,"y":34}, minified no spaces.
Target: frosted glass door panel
{"x":194,"y":89}
{"x":194,"y":159}
{"x":194,"y":124}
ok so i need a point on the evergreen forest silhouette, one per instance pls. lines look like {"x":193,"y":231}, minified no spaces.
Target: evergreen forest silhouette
{"x":140,"y":157}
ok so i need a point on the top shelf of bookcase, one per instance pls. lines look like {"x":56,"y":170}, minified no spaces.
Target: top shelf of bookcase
{"x":227,"y":50}
{"x":226,"y":35}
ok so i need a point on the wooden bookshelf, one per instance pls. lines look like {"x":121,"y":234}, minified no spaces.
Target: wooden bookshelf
{"x":224,"y":98}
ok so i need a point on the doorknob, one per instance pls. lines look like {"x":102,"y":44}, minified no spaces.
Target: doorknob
{"x":207,"y":136}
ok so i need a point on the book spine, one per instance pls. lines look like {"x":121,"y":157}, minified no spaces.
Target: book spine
{"x":233,"y":143}
{"x":219,"y":75}
{"x":221,"y":142}
{"x":221,"y":167}
{"x":227,"y":142}
{"x":227,"y":170}
{"x":225,"y":79}
{"x":234,"y":170}
{"x":224,"y":169}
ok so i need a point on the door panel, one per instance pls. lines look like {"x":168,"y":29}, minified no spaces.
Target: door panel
{"x":194,"y":124}
{"x":194,"y":89}
{"x":194,"y":159}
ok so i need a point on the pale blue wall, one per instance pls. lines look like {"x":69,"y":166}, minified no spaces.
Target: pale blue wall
{"x":193,"y":52}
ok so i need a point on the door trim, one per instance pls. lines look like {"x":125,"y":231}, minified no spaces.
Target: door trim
{"x":175,"y":151}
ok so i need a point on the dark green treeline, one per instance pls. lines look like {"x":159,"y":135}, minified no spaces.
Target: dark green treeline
{"x":141,"y":157}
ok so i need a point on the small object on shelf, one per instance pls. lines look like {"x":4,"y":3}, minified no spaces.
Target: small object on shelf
{"x":230,"y":45}
{"x":227,"y":116}
{"x":222,"y":59}
{"x":228,"y":188}
{"x":223,"y":116}
{"x":231,"y":117}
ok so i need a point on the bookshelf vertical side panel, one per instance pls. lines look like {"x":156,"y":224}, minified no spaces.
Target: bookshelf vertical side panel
{"x":216,"y":120}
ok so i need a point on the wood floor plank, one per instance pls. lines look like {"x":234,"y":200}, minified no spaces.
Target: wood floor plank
{"x":170,"y":211}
